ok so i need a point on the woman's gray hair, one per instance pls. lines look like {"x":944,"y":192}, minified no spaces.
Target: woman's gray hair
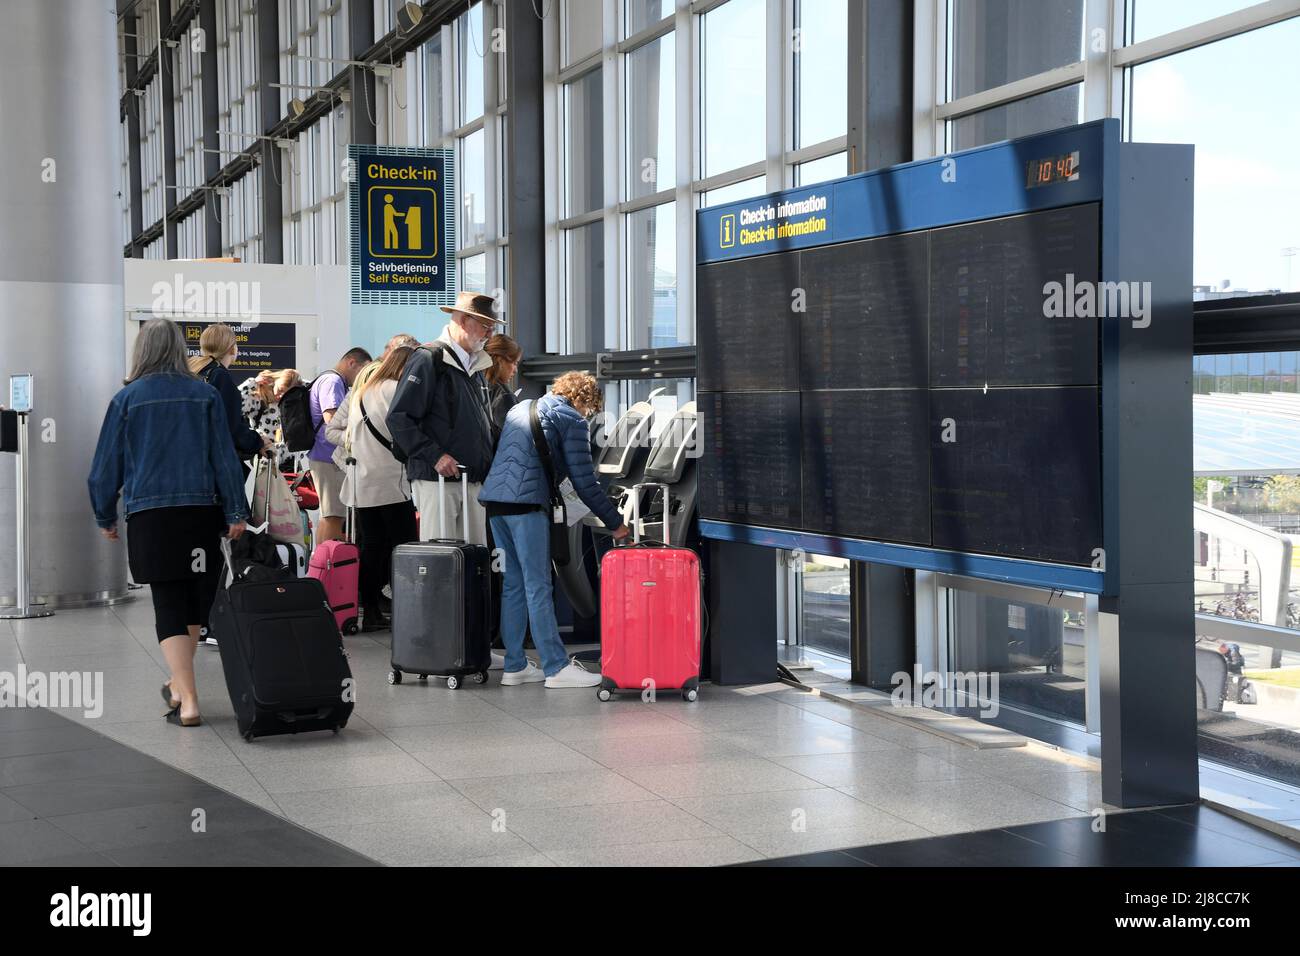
{"x":160,"y":347}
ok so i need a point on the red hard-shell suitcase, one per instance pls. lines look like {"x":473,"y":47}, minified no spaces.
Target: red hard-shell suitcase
{"x":650,"y":615}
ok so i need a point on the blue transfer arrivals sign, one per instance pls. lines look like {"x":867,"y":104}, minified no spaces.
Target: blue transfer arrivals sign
{"x":403,"y":205}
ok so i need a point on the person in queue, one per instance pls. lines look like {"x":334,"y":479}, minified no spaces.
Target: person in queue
{"x":402,"y":340}
{"x":218,"y":348}
{"x":260,"y":406}
{"x":517,"y":499}
{"x":439,"y":417}
{"x":506,"y":354}
{"x":165,"y":449}
{"x":328,"y":392}
{"x":376,"y":485}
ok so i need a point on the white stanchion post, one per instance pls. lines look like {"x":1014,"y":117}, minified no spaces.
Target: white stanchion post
{"x":23,"y":608}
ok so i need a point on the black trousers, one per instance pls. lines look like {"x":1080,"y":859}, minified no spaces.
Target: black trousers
{"x":178,"y":604}
{"x":379,"y":530}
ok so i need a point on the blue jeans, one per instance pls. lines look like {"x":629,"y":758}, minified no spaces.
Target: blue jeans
{"x":526,"y":598}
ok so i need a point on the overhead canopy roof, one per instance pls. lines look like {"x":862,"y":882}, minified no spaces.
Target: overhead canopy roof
{"x":1251,"y":433}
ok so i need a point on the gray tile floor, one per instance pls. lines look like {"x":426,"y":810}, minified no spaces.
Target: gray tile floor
{"x":70,"y":796}
{"x":525,"y":776}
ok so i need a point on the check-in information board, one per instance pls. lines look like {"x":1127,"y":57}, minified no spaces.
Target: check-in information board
{"x":915,"y":358}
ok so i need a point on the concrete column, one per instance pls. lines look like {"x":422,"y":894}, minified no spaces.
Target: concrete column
{"x":61,"y":300}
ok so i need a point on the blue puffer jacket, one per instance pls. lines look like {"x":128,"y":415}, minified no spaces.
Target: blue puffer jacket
{"x":517,"y":476}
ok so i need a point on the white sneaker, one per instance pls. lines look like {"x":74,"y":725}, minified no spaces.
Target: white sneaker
{"x":573,"y":675}
{"x":498,"y":662}
{"x":529,"y":675}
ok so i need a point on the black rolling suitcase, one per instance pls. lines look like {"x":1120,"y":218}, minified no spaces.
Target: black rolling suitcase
{"x":283,"y":656}
{"x":442,"y":601}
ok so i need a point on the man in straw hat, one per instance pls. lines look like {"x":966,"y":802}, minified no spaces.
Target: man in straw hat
{"x":439,"y":417}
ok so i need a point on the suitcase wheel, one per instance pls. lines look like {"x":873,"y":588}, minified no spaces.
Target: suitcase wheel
{"x":604,"y":694}
{"x":351,"y":626}
{"x":248,"y":735}
{"x":394,"y":676}
{"x":424,"y":677}
{"x":453,"y":682}
{"x":481,"y":677}
{"x":690,"y":693}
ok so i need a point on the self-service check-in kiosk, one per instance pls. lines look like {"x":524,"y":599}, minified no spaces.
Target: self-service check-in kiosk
{"x":621,"y":452}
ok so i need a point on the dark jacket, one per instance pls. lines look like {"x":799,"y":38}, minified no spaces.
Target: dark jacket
{"x":440,"y":409}
{"x":501,"y":398}
{"x":165,"y":442}
{"x":517,"y":476}
{"x":247,"y":442}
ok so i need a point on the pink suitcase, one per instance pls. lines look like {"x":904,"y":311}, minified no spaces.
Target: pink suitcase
{"x":337,"y":566}
{"x":650,"y":616}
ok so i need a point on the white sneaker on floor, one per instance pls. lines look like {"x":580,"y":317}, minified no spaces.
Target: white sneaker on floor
{"x":573,"y":675}
{"x":498,"y":662}
{"x":529,"y":675}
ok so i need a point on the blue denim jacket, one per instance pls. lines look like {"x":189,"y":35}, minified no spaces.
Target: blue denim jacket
{"x":165,"y":442}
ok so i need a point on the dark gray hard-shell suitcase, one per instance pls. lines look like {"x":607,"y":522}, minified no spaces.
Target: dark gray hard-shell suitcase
{"x":442,"y":600}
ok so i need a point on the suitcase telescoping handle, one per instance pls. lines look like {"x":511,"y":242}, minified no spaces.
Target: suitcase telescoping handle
{"x":350,"y":534}
{"x":230,"y":564}
{"x":464,"y":504}
{"x":636,"y":510}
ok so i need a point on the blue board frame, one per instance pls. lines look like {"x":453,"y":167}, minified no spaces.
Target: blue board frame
{"x":986,"y":182}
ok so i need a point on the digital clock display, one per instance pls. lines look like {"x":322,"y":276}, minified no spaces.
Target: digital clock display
{"x":1052,"y":169}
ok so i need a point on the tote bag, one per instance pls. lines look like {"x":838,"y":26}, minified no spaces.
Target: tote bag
{"x":276,"y":504}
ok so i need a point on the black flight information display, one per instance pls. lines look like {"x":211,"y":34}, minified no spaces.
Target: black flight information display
{"x":745,"y":318}
{"x":987,"y":301}
{"x":916,"y":388}
{"x":862,"y":452}
{"x":865,"y":324}
{"x":1017,"y":472}
{"x":750,"y":470}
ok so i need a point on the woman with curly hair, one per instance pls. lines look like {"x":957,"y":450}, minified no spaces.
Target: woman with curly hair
{"x":516,"y":496}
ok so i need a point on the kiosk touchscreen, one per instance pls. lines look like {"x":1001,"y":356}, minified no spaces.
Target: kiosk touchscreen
{"x":630,"y":433}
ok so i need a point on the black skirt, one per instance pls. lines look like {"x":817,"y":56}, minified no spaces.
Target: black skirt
{"x":164,"y":544}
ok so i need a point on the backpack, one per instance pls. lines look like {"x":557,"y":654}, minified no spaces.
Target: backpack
{"x":296,"y":419}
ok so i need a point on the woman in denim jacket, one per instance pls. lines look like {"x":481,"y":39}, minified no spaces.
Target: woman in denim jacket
{"x":165,"y":448}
